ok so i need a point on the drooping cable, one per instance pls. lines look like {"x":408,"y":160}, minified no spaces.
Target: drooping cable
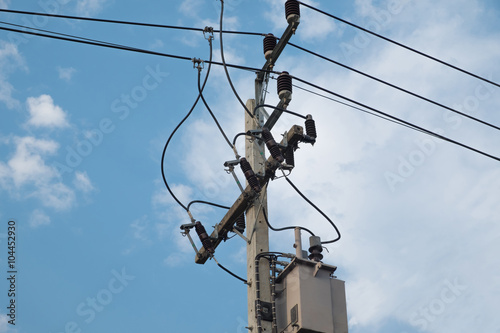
{"x":401,"y":45}
{"x":224,"y":62}
{"x":214,"y":117}
{"x":426,"y":131}
{"x":206,"y":203}
{"x":317,"y":209}
{"x":153,"y":25}
{"x":266,"y":218}
{"x":231,"y":273}
{"x":396,"y":87}
{"x":179,"y":125}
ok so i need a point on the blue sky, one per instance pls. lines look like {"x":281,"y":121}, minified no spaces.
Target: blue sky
{"x":83,"y":129}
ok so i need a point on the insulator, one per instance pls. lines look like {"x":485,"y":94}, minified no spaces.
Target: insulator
{"x":315,"y":248}
{"x":292,"y":10}
{"x":284,"y":85}
{"x":240,"y":223}
{"x":310,"y":126}
{"x":204,"y":238}
{"x":290,"y":155}
{"x":250,"y":175}
{"x":272,"y":145}
{"x":269,"y":45}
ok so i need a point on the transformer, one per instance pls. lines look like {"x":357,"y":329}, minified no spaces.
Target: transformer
{"x":309,"y":299}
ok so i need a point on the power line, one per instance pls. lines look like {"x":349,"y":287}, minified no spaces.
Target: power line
{"x":224,"y":63}
{"x":87,"y":41}
{"x":426,"y":131}
{"x":396,"y":87}
{"x":126,"y":22}
{"x":401,"y":45}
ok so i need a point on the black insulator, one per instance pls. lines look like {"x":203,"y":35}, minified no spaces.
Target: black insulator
{"x":290,"y":155}
{"x":269,"y":45}
{"x":315,"y":249}
{"x":272,"y":145}
{"x":240,"y":223}
{"x":284,"y":84}
{"x":310,"y":127}
{"x":250,"y":175}
{"x":204,"y":238}
{"x":292,"y":10}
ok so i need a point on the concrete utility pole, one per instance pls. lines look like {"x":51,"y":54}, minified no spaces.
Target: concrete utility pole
{"x":257,"y":230}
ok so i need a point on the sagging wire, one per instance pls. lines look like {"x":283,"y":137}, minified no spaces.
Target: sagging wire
{"x":225,"y":66}
{"x":317,"y":209}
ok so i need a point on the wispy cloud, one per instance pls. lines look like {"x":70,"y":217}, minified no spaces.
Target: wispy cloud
{"x":10,"y":60}
{"x":89,"y":7}
{"x":38,"y":218}
{"x":82,"y":182}
{"x":66,"y":73}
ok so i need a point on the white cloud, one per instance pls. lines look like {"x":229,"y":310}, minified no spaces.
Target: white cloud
{"x":82,"y":182}
{"x":89,"y":7}
{"x":44,"y":113}
{"x":4,"y":4}
{"x":26,"y":174}
{"x":39,"y":218}
{"x":66,"y":73}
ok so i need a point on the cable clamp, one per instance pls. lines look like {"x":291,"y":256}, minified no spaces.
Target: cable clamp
{"x":208,"y":30}
{"x":199,"y":62}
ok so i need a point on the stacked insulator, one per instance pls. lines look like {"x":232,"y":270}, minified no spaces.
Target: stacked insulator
{"x":310,"y":136}
{"x":240,"y":223}
{"x":269,"y":44}
{"x":250,"y":175}
{"x":292,"y":11}
{"x":204,"y":238}
{"x":315,"y":249}
{"x":284,"y":85}
{"x":272,"y":145}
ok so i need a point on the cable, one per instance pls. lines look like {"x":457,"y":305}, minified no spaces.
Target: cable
{"x":231,"y":273}
{"x":126,"y":22}
{"x":284,"y":228}
{"x":224,"y":63}
{"x":359,"y":109}
{"x":214,"y":117}
{"x":401,"y":45}
{"x":281,"y":109}
{"x":396,"y":87}
{"x":426,"y":131}
{"x":131,"y":49}
{"x":317,"y":209}
{"x":179,"y":125}
{"x":206,"y":203}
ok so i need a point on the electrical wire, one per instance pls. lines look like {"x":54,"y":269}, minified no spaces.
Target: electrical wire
{"x":127,"y":22}
{"x":396,"y":87}
{"x":231,"y":273}
{"x":284,"y":228}
{"x":400,"y":45}
{"x":128,"y":48}
{"x":179,"y":125}
{"x":224,"y":63}
{"x":317,"y":209}
{"x":280,"y":109}
{"x":426,"y":131}
{"x":358,"y":108}
{"x":206,"y":203}
{"x":214,"y":117}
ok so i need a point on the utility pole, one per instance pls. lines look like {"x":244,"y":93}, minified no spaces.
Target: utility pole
{"x":257,"y":230}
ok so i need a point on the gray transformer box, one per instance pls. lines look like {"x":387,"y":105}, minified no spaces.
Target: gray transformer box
{"x":309,"y":299}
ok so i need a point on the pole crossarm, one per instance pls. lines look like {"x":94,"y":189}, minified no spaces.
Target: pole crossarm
{"x":295,"y":134}
{"x":280,"y":46}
